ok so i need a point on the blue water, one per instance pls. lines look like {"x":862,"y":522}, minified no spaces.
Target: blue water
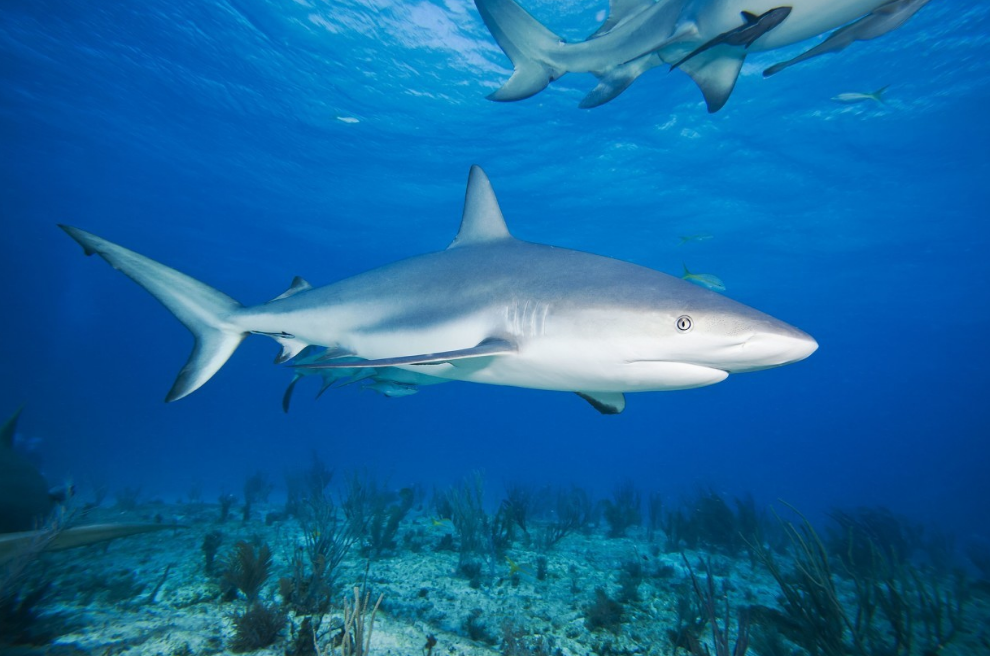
{"x":246,"y":142}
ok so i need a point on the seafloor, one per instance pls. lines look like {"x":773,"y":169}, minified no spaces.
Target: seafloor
{"x":543,"y":572}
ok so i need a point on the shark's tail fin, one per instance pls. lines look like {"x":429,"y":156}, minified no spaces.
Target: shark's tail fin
{"x":526,"y":42}
{"x":878,"y":94}
{"x":206,"y":312}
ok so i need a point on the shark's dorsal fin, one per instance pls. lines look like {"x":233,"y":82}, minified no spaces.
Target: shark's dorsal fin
{"x":9,"y":428}
{"x":298,"y":285}
{"x":607,"y":403}
{"x":618,"y":11}
{"x":482,"y":220}
{"x":750,"y":17}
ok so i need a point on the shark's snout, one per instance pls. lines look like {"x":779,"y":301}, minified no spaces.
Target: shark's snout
{"x":774,"y":348}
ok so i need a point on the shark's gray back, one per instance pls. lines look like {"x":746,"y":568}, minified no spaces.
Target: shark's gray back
{"x":466,"y":280}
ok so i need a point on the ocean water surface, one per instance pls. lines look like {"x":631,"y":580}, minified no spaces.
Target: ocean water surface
{"x":245,"y":142}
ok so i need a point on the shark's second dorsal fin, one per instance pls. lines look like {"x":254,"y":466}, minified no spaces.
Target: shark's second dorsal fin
{"x":9,"y":428}
{"x":298,"y":285}
{"x":482,"y":219}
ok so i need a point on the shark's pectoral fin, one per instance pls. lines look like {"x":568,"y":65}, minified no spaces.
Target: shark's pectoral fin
{"x":607,"y":403}
{"x":613,"y":82}
{"x":487,"y":348}
{"x":715,"y":72}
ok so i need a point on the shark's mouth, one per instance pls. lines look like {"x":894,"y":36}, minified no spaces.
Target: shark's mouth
{"x":671,"y":375}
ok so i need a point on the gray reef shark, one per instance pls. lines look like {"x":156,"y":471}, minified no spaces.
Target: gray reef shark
{"x":880,"y":21}
{"x":27,"y":507}
{"x":489,"y":309}
{"x":641,"y":34}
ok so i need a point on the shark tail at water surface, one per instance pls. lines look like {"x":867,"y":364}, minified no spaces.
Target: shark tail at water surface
{"x":526,"y":42}
{"x":205,"y":311}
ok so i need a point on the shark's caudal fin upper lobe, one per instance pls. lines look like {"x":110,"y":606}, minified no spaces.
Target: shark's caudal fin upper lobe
{"x":202,"y":309}
{"x":526,"y":41}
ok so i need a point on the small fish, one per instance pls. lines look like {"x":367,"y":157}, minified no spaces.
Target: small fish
{"x":853,"y":97}
{"x":706,"y":280}
{"x":699,"y":237}
{"x":391,"y":388}
{"x":753,"y":28}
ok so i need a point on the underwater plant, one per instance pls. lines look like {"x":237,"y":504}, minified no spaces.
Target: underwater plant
{"x":376,"y":513}
{"x":226,"y":501}
{"x":358,"y":625}
{"x":603,"y":613}
{"x":246,"y":569}
{"x":19,"y":613}
{"x":708,"y":599}
{"x":257,"y":487}
{"x":623,"y":510}
{"x":127,"y":498}
{"x":211,"y":544}
{"x":327,"y":539}
{"x":631,"y":574}
{"x":896,"y":609}
{"x":860,"y":535}
{"x":573,"y":511}
{"x":305,"y":486}
{"x":257,"y":627}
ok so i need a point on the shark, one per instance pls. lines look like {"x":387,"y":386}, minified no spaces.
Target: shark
{"x":878,"y":22}
{"x":27,"y":507}
{"x":490,"y":308}
{"x":639,"y":35}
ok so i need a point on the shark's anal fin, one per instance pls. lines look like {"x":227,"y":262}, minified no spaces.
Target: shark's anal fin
{"x":715,"y":72}
{"x":487,"y":348}
{"x":607,"y":403}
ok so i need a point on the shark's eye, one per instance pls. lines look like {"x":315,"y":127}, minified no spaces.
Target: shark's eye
{"x":684,"y":323}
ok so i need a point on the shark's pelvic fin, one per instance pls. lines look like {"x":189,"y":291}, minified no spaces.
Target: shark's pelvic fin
{"x":487,"y":348}
{"x":607,"y":403}
{"x":9,"y":428}
{"x":287,"y":397}
{"x":618,"y":79}
{"x":482,"y":219}
{"x":205,"y":311}
{"x":715,"y":72}
{"x":291,"y":347}
{"x":526,"y":42}
{"x":298,"y":285}
{"x":619,"y":11}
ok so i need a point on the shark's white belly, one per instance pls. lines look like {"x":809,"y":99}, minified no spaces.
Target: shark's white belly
{"x":808,"y":18}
